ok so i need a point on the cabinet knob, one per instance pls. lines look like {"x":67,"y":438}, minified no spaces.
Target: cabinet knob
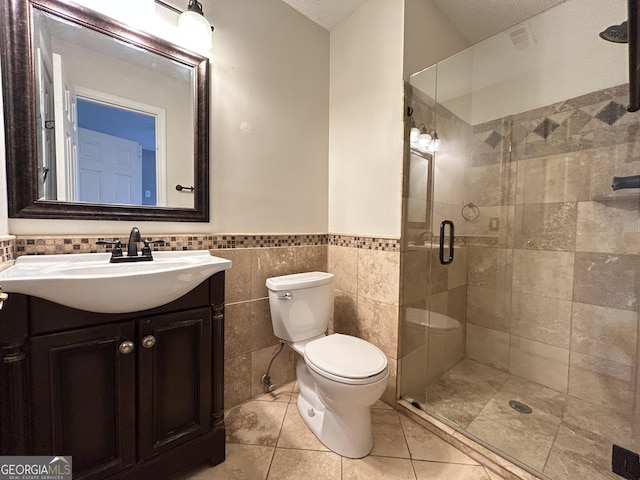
{"x":148,"y":341}
{"x":126,"y":347}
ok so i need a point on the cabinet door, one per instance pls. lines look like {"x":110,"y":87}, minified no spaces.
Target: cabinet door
{"x":83,"y":384}
{"x":174,"y":384}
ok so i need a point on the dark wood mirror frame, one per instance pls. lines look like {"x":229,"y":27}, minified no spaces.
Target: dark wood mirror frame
{"x":19,"y":96}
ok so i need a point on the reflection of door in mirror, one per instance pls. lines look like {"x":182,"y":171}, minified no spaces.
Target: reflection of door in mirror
{"x":128,"y":132}
{"x":66,"y":132}
{"x":45,"y":115}
{"x":109,"y":169}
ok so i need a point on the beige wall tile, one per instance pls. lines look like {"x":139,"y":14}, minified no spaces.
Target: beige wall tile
{"x":247,"y":328}
{"x":343,"y":263}
{"x":602,"y":382}
{"x":545,"y":226}
{"x":483,"y":266}
{"x":547,"y":274}
{"x":378,"y":324}
{"x":457,"y":276}
{"x":390,"y":393}
{"x":310,"y":258}
{"x":412,"y":372}
{"x":415,"y":276}
{"x":485,"y":189}
{"x":237,"y":380}
{"x":238,"y":277}
{"x":379,"y":275}
{"x":487,"y":346}
{"x":547,"y":320}
{"x":604,"y":332}
{"x":489,"y":307}
{"x":601,"y":227}
{"x":541,"y":363}
{"x":282,"y":369}
{"x":605,"y":279}
{"x":269,"y":262}
{"x":557,"y":178}
{"x":345,"y":318}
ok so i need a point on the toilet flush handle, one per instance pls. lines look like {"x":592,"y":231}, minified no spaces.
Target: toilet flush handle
{"x":286,"y":296}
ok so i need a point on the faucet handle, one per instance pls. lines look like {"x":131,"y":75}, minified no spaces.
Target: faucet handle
{"x":117,"y":249}
{"x":146,"y":249}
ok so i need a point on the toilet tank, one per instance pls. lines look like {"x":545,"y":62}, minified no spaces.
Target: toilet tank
{"x":301,"y":305}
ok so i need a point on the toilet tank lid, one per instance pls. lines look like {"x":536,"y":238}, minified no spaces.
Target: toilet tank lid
{"x":299,"y":280}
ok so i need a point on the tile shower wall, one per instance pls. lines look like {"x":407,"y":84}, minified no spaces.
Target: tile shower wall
{"x":554,"y":300}
{"x":366,"y":299}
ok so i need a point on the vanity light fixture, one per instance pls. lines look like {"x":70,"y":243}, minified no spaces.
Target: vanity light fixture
{"x":194,"y":27}
{"x":423,"y":139}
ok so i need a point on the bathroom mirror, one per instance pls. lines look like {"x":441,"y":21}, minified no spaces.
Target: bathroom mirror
{"x":101,"y":121}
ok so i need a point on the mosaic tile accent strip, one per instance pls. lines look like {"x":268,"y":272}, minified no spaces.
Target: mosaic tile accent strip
{"x":367,"y":243}
{"x":7,"y":248}
{"x":49,"y":245}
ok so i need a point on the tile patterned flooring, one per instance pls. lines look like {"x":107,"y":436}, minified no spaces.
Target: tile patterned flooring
{"x":267,"y":439}
{"x":564,"y":437}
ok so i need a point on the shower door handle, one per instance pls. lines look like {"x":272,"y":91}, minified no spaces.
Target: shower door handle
{"x":451,"y":241}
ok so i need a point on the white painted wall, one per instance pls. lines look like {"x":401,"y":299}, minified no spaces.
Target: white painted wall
{"x":366,"y":115}
{"x":429,"y":36}
{"x":269,"y":126}
{"x":504,"y":80}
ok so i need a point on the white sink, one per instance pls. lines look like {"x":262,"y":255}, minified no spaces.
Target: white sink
{"x":89,"y":282}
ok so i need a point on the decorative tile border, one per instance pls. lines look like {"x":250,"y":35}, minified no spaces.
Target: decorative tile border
{"x":594,"y":120}
{"x":367,"y":243}
{"x":7,"y":249}
{"x":48,"y":245}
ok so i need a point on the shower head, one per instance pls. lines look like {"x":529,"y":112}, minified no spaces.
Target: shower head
{"x":616,"y":33}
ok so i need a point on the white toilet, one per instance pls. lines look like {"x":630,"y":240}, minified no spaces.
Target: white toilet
{"x":339,"y":376}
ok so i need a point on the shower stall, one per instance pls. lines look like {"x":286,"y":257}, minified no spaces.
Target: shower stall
{"x":519,"y":262}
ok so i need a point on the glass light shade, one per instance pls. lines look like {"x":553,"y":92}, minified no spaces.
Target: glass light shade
{"x":195,"y":31}
{"x":424,"y":139}
{"x":413,"y":135}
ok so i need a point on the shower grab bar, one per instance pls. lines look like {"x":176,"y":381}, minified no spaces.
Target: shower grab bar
{"x":451,"y":242}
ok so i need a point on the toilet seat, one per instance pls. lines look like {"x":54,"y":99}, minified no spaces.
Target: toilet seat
{"x":346,"y":359}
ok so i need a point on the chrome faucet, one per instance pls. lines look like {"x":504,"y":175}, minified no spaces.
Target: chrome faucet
{"x":132,"y":244}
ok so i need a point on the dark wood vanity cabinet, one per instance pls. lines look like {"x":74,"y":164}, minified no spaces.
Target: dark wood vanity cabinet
{"x":127,"y":396}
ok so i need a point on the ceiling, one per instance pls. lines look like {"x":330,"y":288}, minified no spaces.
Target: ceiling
{"x":476,"y":20}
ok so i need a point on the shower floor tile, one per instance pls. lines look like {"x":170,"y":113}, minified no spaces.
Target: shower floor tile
{"x":563,"y":437}
{"x":461,"y":393}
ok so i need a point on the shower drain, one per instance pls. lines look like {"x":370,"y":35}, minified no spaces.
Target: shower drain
{"x":520,"y":407}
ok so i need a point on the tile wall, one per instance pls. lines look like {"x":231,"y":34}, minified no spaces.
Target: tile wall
{"x":556,"y":299}
{"x":366,"y":300}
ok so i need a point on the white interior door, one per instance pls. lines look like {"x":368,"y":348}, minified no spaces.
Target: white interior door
{"x":46,"y":116}
{"x":66,"y":132}
{"x":109,"y":169}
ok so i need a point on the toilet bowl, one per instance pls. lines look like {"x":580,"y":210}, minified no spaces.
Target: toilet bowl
{"x":340,"y":376}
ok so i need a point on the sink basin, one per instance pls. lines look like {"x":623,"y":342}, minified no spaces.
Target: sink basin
{"x":89,"y":282}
